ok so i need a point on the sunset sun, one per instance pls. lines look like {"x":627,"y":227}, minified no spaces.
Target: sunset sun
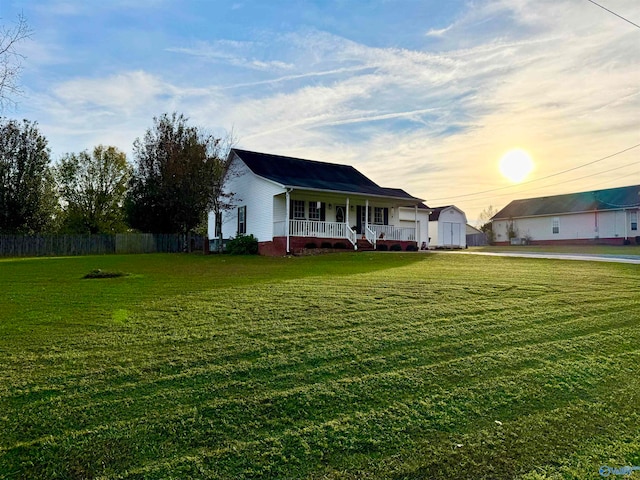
{"x":516,"y":165}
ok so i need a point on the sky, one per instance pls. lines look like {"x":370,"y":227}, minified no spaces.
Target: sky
{"x":423,"y":95}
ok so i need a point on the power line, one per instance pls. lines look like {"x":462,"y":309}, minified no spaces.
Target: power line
{"x":614,"y":13}
{"x":560,"y":183}
{"x":612,"y":180}
{"x":538,"y":179}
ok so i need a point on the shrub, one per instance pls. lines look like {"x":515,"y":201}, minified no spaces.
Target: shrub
{"x":310,"y":245}
{"x":382,"y":247}
{"x":243,"y":245}
{"x":411,"y":248}
{"x":396,"y":247}
{"x":325,"y":245}
{"x":340,"y":245}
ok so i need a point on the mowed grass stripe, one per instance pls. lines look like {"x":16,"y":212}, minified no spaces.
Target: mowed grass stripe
{"x":361,"y":384}
{"x":288,"y":364}
{"x":310,"y":389}
{"x":289,"y":361}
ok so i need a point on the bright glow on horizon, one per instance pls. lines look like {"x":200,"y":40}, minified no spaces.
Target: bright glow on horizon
{"x":334,"y":83}
{"x":516,"y":165}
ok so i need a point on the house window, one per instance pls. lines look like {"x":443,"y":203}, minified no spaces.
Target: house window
{"x":555,"y":225}
{"x":242,"y":220}
{"x":634,"y":220}
{"x":315,"y":211}
{"x":378,"y":216}
{"x":363,"y":215}
{"x":298,"y":209}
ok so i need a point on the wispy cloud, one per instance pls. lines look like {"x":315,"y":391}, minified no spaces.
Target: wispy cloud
{"x":558,"y":78}
{"x":438,"y":32}
{"x":230,"y":52}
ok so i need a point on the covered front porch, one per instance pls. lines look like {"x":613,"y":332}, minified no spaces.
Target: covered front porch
{"x":313,"y":229}
{"x":305,"y":218}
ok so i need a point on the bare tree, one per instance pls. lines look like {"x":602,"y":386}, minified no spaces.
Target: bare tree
{"x":484,"y":222}
{"x":11,"y":59}
{"x":221,"y":199}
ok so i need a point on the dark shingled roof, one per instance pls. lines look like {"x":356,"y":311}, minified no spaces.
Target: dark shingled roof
{"x":435,"y":213}
{"x":609,"y":199}
{"x":310,"y":174}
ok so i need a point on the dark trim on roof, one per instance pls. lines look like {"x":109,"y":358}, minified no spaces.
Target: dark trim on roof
{"x":298,"y":173}
{"x":435,"y":212}
{"x":582,"y":202}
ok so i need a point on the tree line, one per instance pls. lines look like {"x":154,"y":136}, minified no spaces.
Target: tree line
{"x":176,"y":177}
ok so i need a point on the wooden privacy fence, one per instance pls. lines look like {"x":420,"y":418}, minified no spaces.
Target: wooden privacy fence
{"x":66,"y":245}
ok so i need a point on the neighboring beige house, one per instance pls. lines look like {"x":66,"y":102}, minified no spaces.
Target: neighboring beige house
{"x":608,"y":216}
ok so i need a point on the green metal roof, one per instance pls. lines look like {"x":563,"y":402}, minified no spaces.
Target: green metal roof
{"x":608,"y":199}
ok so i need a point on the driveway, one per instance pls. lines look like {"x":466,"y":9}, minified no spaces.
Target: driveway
{"x":634,"y":259}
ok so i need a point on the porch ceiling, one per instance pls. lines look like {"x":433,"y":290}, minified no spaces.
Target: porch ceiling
{"x":341,"y":194}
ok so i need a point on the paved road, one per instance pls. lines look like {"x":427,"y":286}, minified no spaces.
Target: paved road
{"x":635,"y":259}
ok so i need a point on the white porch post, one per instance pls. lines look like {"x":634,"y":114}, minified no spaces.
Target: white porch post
{"x":346,"y":216}
{"x":286,"y":222}
{"x":366,"y":215}
{"x":416,"y":220}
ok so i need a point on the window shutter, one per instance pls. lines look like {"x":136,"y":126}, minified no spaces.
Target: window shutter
{"x":238,"y":220}
{"x":323,"y":212}
{"x":386,"y":216}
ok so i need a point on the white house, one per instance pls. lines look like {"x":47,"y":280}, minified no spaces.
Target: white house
{"x":288,"y":203}
{"x":447,"y":227}
{"x":607,"y":216}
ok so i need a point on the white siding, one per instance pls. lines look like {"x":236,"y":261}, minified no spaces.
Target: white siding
{"x":449,"y":230}
{"x":423,"y":228}
{"x":589,"y":225}
{"x":257,"y":195}
{"x":408,"y":220}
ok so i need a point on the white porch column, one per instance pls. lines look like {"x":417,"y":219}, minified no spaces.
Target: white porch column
{"x":286,"y":222}
{"x":416,"y":221}
{"x":346,"y":216}
{"x":366,"y":215}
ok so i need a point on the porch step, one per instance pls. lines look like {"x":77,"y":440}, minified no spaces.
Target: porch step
{"x":364,"y":245}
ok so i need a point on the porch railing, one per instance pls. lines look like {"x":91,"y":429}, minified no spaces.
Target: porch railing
{"x":371,"y":236}
{"x":352,"y":236}
{"x":310,"y":228}
{"x":388,"y":232}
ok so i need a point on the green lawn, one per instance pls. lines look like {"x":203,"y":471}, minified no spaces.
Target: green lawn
{"x":368,"y":365}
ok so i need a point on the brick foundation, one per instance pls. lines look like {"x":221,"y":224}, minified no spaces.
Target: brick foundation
{"x":403,"y":244}
{"x":298,"y":245}
{"x":574,"y":241}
